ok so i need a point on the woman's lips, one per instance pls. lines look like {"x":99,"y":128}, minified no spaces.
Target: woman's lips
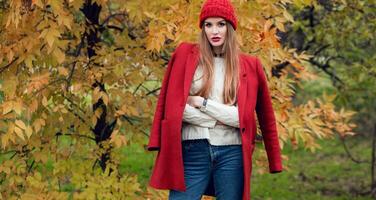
{"x":216,"y":39}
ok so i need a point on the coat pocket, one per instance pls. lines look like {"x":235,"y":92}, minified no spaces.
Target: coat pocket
{"x":170,"y":129}
{"x":164,"y":134}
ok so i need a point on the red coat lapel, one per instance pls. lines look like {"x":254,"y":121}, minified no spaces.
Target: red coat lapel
{"x":242,"y":90}
{"x":190,"y":68}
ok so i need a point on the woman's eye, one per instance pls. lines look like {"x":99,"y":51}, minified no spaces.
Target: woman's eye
{"x":222,"y":24}
{"x":207,"y":25}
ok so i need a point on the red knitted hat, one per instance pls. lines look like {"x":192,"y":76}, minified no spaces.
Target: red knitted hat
{"x":218,"y":8}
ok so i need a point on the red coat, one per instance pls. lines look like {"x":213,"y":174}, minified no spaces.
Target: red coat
{"x":165,"y":135}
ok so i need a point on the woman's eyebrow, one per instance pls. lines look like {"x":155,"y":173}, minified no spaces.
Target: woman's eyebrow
{"x":217,"y":22}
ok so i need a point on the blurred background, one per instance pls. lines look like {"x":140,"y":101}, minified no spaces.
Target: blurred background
{"x":79,"y":81}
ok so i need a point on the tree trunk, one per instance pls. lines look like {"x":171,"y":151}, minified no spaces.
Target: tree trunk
{"x":103,"y":128}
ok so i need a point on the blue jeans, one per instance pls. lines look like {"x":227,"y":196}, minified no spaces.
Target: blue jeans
{"x":202,"y":162}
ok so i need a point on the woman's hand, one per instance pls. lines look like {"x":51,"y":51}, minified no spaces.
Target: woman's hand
{"x":195,"y":101}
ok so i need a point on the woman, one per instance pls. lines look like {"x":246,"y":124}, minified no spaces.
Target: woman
{"x":204,"y":125}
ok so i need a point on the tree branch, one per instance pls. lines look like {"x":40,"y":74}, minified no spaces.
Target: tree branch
{"x":349,"y":154}
{"x":8,"y":65}
{"x":31,"y":166}
{"x":131,"y":123}
{"x":153,"y":91}
{"x":321,"y":49}
{"x":325,"y":67}
{"x":11,"y":151}
{"x":108,"y":18}
{"x":74,"y":104}
{"x":49,"y":84}
{"x":115,"y":27}
{"x":79,"y":117}
{"x":58,"y":134}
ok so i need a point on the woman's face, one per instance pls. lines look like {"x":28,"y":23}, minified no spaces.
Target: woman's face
{"x":215,"y":29}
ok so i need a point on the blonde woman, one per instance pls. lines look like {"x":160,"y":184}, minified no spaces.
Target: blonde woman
{"x":204,"y":125}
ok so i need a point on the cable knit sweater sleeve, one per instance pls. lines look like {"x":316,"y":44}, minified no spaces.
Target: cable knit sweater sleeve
{"x":194,"y":116}
{"x":224,"y":113}
{"x":214,"y":111}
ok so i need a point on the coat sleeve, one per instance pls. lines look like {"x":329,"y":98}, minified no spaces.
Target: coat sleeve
{"x":266,"y":118}
{"x":155,"y":132}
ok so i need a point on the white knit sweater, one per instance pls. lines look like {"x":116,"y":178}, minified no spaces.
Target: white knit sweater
{"x":202,"y":125}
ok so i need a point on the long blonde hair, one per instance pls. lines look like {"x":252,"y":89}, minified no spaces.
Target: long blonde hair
{"x":231,"y":54}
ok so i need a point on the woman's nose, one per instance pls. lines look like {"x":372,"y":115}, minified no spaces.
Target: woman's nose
{"x":215,"y":30}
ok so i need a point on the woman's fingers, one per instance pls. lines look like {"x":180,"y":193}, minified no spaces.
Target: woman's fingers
{"x":194,"y":101}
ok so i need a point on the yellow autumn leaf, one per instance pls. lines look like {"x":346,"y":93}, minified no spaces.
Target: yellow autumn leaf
{"x":96,"y":95}
{"x":59,"y":55}
{"x":267,"y":25}
{"x":67,"y":21}
{"x":98,"y":112}
{"x":44,"y":101}
{"x":9,"y":86}
{"x":280,"y":26}
{"x":4,"y":140}
{"x":150,"y":15}
{"x":20,"y":124}
{"x":40,"y":156}
{"x":38,"y":3}
{"x":17,"y":107}
{"x":37,"y":126}
{"x":19,"y":133}
{"x":7,"y":107}
{"x":63,"y":110}
{"x":288,"y":16}
{"x":10,"y":56}
{"x":29,"y":61}
{"x":94,"y":120}
{"x":51,"y":35}
{"x":105,"y":98}
{"x":28,"y":131}
{"x":42,"y":121}
{"x":33,"y":106}
{"x":43,"y":33}
{"x":63,"y":71}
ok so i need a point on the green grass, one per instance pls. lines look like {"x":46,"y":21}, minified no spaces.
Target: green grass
{"x":327,"y":174}
{"x":137,"y":161}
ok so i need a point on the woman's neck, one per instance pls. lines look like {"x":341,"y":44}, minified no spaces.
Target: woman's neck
{"x":217,"y":51}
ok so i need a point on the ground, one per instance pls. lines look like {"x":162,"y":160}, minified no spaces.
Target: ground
{"x":326,"y":174}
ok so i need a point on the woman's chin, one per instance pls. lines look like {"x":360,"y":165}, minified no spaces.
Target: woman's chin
{"x":216,"y":44}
